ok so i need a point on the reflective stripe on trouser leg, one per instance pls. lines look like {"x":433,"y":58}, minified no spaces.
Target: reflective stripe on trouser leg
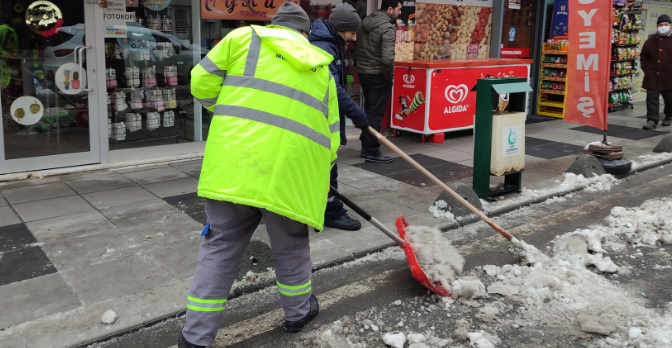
{"x":231,"y":228}
{"x":291,"y":250}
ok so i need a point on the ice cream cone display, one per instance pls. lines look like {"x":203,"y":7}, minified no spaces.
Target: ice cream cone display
{"x":417,"y":101}
{"x":503,"y":102}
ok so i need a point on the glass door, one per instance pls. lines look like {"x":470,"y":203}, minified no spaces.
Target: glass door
{"x":48,"y":85}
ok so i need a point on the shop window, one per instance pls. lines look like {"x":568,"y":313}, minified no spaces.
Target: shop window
{"x":149,"y":99}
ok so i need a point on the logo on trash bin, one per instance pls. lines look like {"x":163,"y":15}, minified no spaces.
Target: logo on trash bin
{"x":409,"y":78}
{"x":512,"y":138}
{"x":511,"y":143}
{"x":457,"y":94}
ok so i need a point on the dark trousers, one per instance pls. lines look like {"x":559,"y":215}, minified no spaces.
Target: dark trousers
{"x":335,"y":208}
{"x":376,"y":98}
{"x":653,"y":105}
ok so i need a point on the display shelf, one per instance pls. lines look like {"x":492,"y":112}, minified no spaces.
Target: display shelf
{"x":556,"y":79}
{"x":621,"y":90}
{"x":552,"y":92}
{"x":615,"y":46}
{"x":551,"y":114}
{"x":549,"y":65}
{"x":552,"y":104}
{"x":560,"y":53}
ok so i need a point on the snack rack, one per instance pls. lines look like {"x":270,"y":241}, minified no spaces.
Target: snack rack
{"x":624,"y":53}
{"x":552,"y":84}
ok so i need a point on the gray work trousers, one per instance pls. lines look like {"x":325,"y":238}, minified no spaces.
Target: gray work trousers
{"x":231,"y":228}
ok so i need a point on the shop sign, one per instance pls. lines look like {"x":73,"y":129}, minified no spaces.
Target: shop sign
{"x":515,"y":53}
{"x":560,"y":19}
{"x":44,"y":18}
{"x":250,"y":10}
{"x":116,"y":17}
{"x":453,"y":101}
{"x":587,"y":94}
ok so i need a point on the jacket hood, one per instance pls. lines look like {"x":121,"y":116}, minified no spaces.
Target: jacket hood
{"x":292,"y":46}
{"x":323,"y":31}
{"x":375,"y":20}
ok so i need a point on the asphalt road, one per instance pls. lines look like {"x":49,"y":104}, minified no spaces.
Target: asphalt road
{"x":367,"y":290}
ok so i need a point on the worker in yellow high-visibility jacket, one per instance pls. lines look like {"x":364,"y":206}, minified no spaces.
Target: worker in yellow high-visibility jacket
{"x":271,"y":144}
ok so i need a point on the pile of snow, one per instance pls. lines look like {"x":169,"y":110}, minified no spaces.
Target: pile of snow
{"x":560,"y":291}
{"x":571,"y":182}
{"x":109,"y":317}
{"x":596,"y":143}
{"x":251,"y":278}
{"x":438,"y":211}
{"x":649,"y":159}
{"x":437,"y":257}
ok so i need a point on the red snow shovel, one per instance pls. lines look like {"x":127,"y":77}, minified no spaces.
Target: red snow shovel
{"x":416,"y":270}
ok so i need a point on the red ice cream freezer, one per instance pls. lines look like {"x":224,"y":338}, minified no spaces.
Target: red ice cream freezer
{"x":434,"y":96}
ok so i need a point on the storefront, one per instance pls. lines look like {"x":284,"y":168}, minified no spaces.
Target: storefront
{"x":82,"y":84}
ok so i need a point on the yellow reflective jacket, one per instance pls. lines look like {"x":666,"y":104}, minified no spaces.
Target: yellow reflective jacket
{"x":275,"y":129}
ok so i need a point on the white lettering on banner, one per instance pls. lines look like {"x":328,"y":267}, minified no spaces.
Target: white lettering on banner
{"x":583,"y":64}
{"x":588,"y":17}
{"x":587,"y":40}
{"x":586,"y":102}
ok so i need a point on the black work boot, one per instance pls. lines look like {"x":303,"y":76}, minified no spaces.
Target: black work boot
{"x":296,"y":326}
{"x":183,"y":343}
{"x":362,"y":154}
{"x":345,"y":223}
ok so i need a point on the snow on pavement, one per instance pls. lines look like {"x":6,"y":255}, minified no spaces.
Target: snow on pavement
{"x":562,"y":290}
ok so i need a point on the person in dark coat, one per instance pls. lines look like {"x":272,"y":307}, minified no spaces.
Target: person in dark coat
{"x":657,"y":67}
{"x":332,"y":36}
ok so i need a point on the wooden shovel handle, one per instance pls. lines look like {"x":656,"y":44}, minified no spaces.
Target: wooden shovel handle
{"x":445,"y":187}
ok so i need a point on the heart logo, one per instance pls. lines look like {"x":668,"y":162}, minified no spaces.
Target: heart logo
{"x":409,"y":78}
{"x":456,"y":94}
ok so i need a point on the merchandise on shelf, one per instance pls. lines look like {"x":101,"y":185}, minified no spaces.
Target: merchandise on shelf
{"x":555,"y":60}
{"x":557,"y":44}
{"x":149,"y":76}
{"x":168,"y":119}
{"x":118,"y":101}
{"x":170,"y":73}
{"x":111,"y":77}
{"x":154,"y":99}
{"x":132,"y":76}
{"x":555,"y":73}
{"x":153,"y":120}
{"x":133,"y":122}
{"x":118,"y":132}
{"x":136,"y":99}
{"x":169,"y":98}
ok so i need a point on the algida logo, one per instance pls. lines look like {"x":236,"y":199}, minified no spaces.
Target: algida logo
{"x":512,"y":138}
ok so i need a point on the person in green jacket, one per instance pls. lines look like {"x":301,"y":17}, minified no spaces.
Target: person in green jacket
{"x":271,"y":145}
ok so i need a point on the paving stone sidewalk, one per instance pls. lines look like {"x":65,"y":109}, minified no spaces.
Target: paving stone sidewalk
{"x":74,"y":246}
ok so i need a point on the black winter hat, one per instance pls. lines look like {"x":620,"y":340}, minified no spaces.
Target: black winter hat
{"x":293,"y":16}
{"x":664,"y":18}
{"x":344,"y":18}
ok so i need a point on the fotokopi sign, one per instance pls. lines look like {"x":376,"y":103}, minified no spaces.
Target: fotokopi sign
{"x":255,"y":10}
{"x":590,"y":33}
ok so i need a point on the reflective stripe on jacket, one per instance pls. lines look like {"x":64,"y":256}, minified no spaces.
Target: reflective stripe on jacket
{"x":275,"y":129}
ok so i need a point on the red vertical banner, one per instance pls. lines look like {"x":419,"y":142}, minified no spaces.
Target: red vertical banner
{"x":590,"y":33}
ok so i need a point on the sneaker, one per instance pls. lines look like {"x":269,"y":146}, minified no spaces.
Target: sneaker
{"x":345,"y":223}
{"x":379,"y":158}
{"x":667,"y":121}
{"x":296,"y":326}
{"x":650,"y":125}
{"x":183,"y":343}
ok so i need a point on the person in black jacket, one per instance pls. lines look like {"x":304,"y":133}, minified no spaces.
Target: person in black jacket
{"x":332,"y":36}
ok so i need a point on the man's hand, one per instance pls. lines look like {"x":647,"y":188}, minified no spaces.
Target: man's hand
{"x":364,"y":125}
